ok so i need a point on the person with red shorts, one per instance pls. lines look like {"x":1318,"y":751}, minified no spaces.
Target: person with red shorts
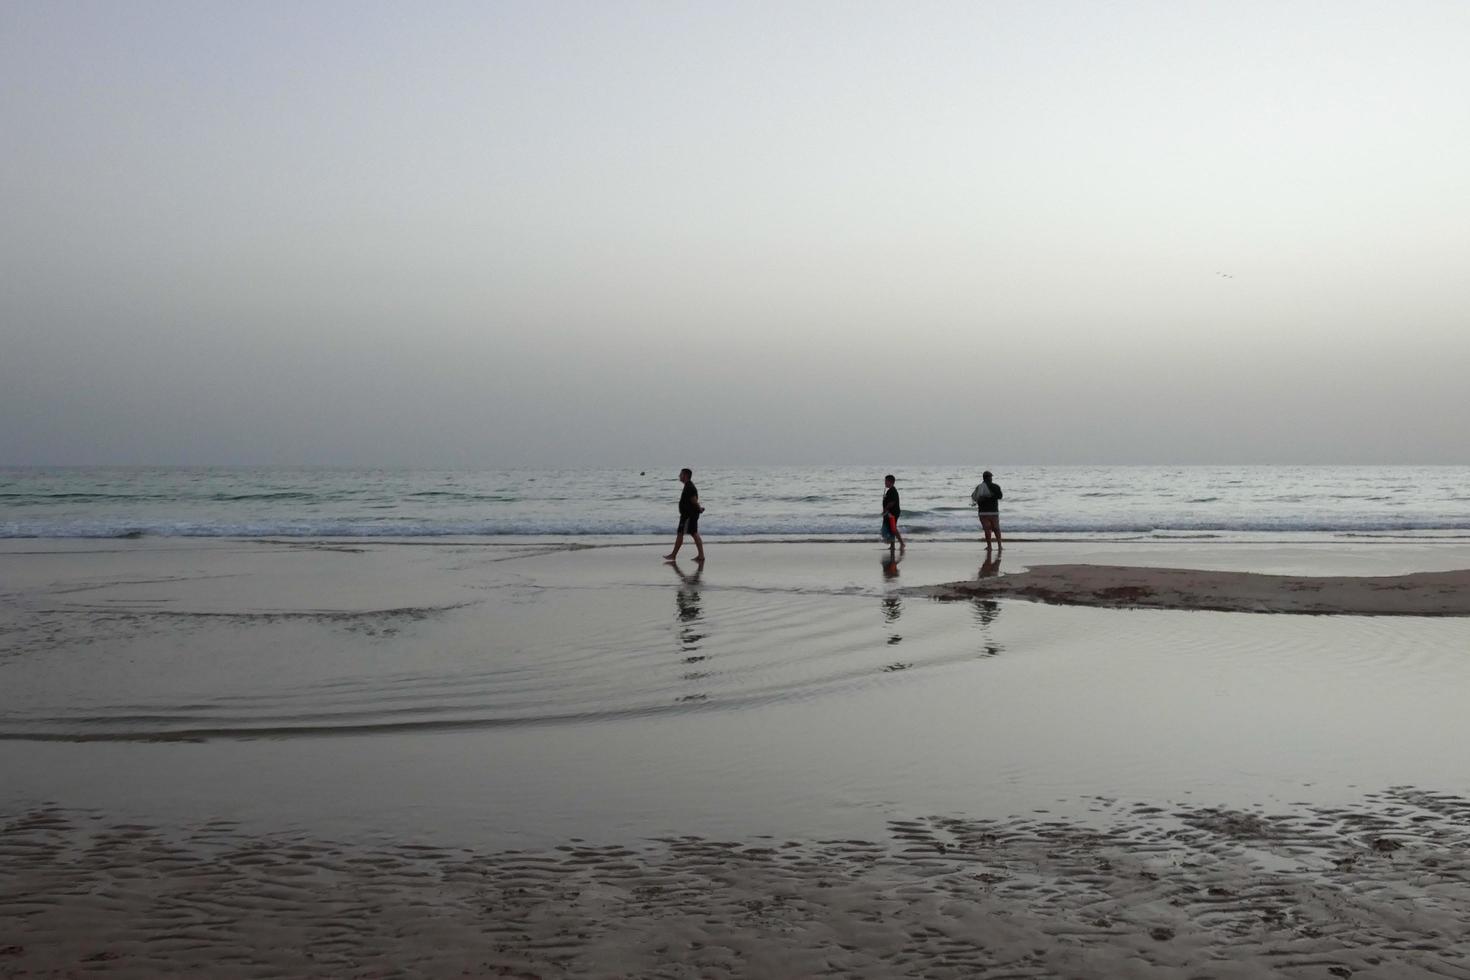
{"x":891,"y":512}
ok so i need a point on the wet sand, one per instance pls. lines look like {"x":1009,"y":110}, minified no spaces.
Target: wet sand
{"x":245,"y":759}
{"x":1381,"y":889}
{"x":1134,"y":587}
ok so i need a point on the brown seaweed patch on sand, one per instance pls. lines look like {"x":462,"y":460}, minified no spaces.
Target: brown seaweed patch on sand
{"x":1142,"y":890}
{"x":1126,"y":586}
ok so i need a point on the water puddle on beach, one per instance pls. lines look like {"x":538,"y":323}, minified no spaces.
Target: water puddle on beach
{"x":525,"y":696}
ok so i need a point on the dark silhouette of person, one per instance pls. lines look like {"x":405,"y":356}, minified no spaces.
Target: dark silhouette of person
{"x":986,"y":497}
{"x":689,"y":511}
{"x":891,"y":512}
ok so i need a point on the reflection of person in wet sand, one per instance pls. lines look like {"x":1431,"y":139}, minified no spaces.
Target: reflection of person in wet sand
{"x":687,"y":604}
{"x":689,"y":614}
{"x":986,"y":609}
{"x":892,"y":604}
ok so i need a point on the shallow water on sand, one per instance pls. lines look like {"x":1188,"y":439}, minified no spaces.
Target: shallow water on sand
{"x":524,"y":695}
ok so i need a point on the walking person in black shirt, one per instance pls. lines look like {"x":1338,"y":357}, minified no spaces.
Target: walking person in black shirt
{"x":689,"y":511}
{"x":891,"y":513}
{"x":986,"y":496}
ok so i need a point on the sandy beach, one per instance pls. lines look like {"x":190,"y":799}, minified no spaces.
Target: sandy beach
{"x":538,"y":758}
{"x":1377,"y":890}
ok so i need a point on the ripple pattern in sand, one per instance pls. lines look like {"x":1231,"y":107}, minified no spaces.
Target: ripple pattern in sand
{"x":1379,"y":888}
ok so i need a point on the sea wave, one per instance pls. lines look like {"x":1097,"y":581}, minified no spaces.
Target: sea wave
{"x":41,"y":499}
{"x":265,"y":495}
{"x":566,"y":527}
{"x":744,"y":501}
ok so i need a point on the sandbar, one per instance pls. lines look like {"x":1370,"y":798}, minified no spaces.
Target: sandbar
{"x":1127,"y":586}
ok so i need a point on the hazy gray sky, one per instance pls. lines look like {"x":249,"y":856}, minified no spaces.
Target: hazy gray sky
{"x":610,"y":232}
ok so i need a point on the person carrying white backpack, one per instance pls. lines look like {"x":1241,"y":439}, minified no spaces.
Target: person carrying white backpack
{"x":986,"y":496}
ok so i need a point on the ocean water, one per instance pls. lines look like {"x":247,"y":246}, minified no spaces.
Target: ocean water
{"x":1160,"y":501}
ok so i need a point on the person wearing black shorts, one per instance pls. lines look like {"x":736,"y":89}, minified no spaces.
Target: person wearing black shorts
{"x":689,"y":511}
